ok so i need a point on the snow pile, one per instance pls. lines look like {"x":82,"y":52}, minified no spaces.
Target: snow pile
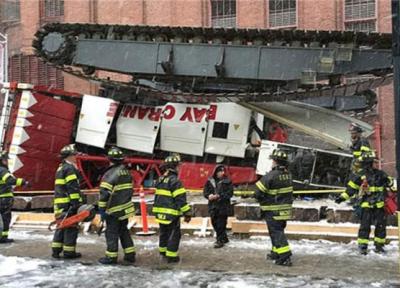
{"x":14,"y":265}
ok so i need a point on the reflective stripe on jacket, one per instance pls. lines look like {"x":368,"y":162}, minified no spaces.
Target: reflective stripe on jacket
{"x":116,"y":192}
{"x":67,"y":193}
{"x":374,"y":195}
{"x":7,"y":181}
{"x":170,"y":199}
{"x":274,"y":192}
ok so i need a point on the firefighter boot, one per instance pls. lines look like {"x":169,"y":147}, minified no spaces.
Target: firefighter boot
{"x":6,"y":240}
{"x":130,"y":258}
{"x":363,"y":249}
{"x":284,"y":261}
{"x":379,"y":249}
{"x":72,"y":255}
{"x":218,"y":244}
{"x":56,"y":255}
{"x":272,"y":256}
{"x":108,"y":260}
{"x":173,"y":259}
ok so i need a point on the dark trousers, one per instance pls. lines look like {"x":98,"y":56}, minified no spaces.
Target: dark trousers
{"x":276,"y":230}
{"x":219,"y":222}
{"x":65,"y":240}
{"x":372,"y":216}
{"x":170,"y":237}
{"x":118,"y":230}
{"x":5,"y":213}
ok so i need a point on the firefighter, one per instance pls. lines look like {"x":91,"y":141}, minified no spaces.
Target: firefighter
{"x":116,"y":206}
{"x":218,"y":190}
{"x":274,"y":192}
{"x":67,"y":199}
{"x":370,"y":186}
{"x":169,"y":204}
{"x":7,"y":181}
{"x":358,"y":143}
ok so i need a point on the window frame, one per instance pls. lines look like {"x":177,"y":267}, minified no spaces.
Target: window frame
{"x":361,"y":19}
{"x":44,"y":18}
{"x":16,"y":8}
{"x":210,"y":18}
{"x":290,"y":26}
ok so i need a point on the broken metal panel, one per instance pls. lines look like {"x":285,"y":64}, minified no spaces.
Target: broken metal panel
{"x":330,"y":126}
{"x":228,"y":130}
{"x":346,"y":103}
{"x":239,"y":61}
{"x":184,"y":128}
{"x":316,"y":167}
{"x":137,"y":127}
{"x":94,"y":124}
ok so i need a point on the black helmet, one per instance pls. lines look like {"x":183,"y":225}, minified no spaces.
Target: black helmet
{"x":4,"y":155}
{"x":68,"y":150}
{"x":355,"y":128}
{"x":279,"y":156}
{"x":171,"y":162}
{"x":115,"y":154}
{"x":367,"y":157}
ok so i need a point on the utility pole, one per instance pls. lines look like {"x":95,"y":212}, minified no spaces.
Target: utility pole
{"x":396,"y":83}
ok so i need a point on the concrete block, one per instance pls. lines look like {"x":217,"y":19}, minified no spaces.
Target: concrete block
{"x":306,"y":214}
{"x":42,"y":202}
{"x":22,"y":203}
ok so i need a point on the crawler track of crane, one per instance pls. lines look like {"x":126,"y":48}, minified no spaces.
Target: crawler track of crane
{"x":69,"y":34}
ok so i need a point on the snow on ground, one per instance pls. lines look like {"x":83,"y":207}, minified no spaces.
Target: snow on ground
{"x":26,"y":272}
{"x":313,"y":247}
{"x":32,"y":272}
{"x":40,"y":235}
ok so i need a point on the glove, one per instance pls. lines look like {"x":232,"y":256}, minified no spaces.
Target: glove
{"x":103,"y":214}
{"x":27,"y":183}
{"x":187,"y":218}
{"x":339,"y":200}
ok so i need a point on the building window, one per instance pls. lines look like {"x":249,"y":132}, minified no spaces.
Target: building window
{"x":360,"y":15}
{"x":10,"y":10}
{"x":282,"y":13}
{"x":53,"y":8}
{"x":33,"y":70}
{"x":223,"y":13}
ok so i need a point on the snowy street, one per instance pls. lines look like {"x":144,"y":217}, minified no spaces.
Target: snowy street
{"x":27,"y":263}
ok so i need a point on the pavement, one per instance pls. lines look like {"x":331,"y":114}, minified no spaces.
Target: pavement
{"x":312,"y":259}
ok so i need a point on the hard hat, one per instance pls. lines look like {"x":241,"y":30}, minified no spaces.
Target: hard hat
{"x":279,"y":155}
{"x":68,"y":150}
{"x":354,"y":127}
{"x":115,"y":154}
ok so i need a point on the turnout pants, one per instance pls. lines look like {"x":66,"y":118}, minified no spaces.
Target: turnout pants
{"x":372,"y":216}
{"x":118,"y":230}
{"x":170,"y":237}
{"x":5,"y":214}
{"x":65,"y":240}
{"x":276,"y":230}
{"x":219,"y":222}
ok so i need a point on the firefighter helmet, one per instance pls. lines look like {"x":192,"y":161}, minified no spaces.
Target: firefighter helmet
{"x":172,"y":161}
{"x":68,"y":150}
{"x":367,"y":157}
{"x":115,"y":154}
{"x":4,"y":155}
{"x":279,"y":155}
{"x":355,"y":128}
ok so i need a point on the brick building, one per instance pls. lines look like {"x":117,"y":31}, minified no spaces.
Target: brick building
{"x":21,"y":18}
